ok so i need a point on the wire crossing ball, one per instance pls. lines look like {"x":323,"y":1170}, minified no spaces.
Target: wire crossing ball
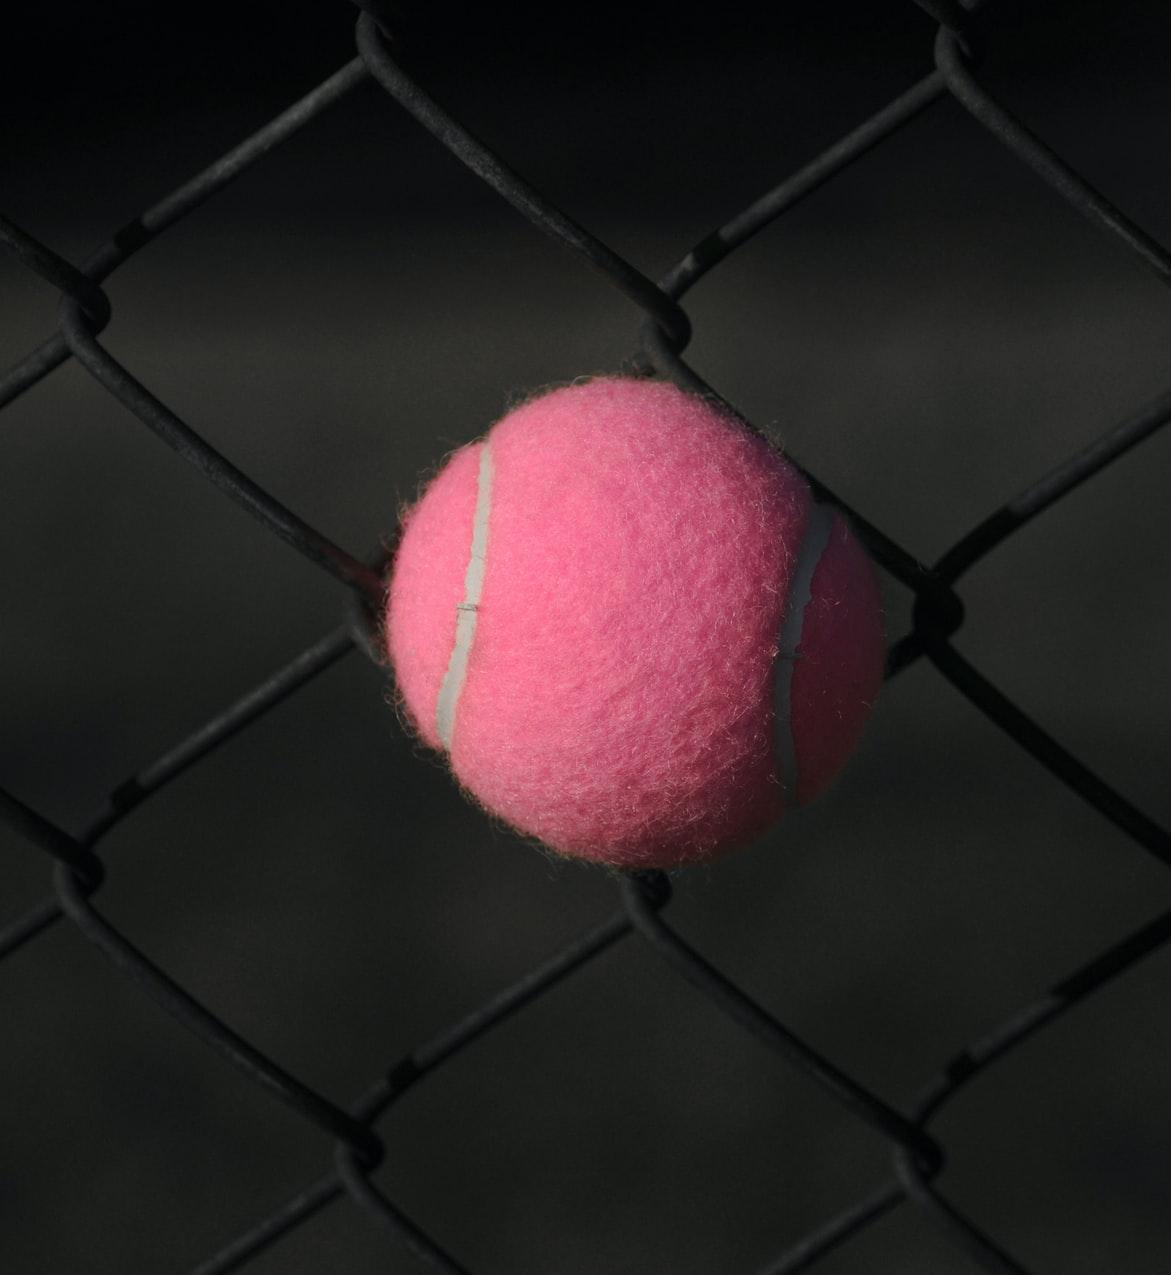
{"x":629,"y":626}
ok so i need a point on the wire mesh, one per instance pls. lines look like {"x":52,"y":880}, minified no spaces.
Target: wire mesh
{"x":917,"y":1157}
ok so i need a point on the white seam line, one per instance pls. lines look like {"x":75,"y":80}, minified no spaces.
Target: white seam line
{"x":813,"y":545}
{"x":466,"y":611}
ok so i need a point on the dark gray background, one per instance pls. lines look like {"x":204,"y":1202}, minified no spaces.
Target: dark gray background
{"x":928,"y":334}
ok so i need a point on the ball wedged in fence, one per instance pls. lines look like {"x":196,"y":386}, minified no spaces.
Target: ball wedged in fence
{"x":631,"y":628}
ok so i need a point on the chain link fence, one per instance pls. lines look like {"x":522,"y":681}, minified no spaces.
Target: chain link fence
{"x":917,"y":1176}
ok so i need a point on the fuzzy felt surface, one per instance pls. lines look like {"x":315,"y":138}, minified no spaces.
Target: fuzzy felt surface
{"x":839,"y":669}
{"x":428,"y":584}
{"x":618,"y":698}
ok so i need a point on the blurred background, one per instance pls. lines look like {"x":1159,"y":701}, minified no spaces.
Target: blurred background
{"x":927,"y":333}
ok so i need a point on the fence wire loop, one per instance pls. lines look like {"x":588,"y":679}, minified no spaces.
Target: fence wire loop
{"x":359,"y":1150}
{"x":43,"y":261}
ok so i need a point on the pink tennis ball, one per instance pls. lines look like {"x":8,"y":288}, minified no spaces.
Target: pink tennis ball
{"x":634,"y":633}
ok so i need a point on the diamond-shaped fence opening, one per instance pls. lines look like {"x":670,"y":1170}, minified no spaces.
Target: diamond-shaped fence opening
{"x":360,"y":1126}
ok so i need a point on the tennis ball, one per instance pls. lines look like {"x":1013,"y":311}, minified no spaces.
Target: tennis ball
{"x":629,"y":626}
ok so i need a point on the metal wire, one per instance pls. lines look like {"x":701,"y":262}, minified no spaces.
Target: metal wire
{"x":78,"y":872}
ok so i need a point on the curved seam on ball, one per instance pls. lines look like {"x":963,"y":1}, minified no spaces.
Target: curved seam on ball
{"x":814,"y":543}
{"x":447,"y":706}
